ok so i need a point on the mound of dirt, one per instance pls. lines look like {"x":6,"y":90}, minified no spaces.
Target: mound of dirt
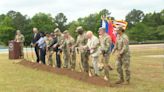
{"x":81,"y":76}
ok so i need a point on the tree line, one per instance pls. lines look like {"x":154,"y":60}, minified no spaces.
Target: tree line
{"x":141,"y":27}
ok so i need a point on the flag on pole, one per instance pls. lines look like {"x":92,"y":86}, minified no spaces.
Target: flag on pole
{"x":108,"y":25}
{"x":111,"y":32}
{"x":121,"y":23}
{"x":104,"y":24}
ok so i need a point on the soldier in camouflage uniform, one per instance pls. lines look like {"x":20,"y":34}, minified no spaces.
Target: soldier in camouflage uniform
{"x":123,"y":55}
{"x":73,"y":58}
{"x":82,"y":41}
{"x":60,"y":41}
{"x":105,"y":42}
{"x":20,"y":38}
{"x":67,"y":47}
{"x":50,"y":50}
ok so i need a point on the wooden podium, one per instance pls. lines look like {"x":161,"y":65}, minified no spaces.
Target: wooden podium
{"x":14,"y":50}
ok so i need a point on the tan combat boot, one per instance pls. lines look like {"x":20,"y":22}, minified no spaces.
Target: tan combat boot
{"x":119,"y":81}
{"x":127,"y":82}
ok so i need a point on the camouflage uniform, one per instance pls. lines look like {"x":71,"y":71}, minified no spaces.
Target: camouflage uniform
{"x":73,"y":58}
{"x":72,"y":53}
{"x":60,"y":41}
{"x":20,"y":39}
{"x":82,"y":41}
{"x":67,"y":47}
{"x":104,"y":47}
{"x":50,"y":51}
{"x":123,"y":57}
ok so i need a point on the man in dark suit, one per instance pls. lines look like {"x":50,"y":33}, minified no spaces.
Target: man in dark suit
{"x":35,"y":38}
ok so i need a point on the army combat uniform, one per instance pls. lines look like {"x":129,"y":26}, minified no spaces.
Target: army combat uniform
{"x":67,"y":51}
{"x":60,"y":41}
{"x":20,"y":38}
{"x":73,"y":58}
{"x":123,"y":57}
{"x":82,"y":41}
{"x":50,"y":51}
{"x":104,"y":48}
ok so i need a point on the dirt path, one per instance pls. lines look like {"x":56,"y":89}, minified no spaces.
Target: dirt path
{"x":72,"y":74}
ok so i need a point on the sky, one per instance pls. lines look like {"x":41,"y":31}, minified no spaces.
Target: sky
{"x":74,"y":9}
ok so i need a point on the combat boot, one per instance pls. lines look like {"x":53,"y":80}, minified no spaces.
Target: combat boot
{"x":126,"y":82}
{"x":119,"y":81}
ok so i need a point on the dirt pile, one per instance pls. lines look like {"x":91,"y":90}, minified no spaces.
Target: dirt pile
{"x":81,"y":76}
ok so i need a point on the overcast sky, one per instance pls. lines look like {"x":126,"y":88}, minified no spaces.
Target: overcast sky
{"x":73,"y":9}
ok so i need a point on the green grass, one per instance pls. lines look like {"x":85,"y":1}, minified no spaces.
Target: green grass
{"x":147,"y":76}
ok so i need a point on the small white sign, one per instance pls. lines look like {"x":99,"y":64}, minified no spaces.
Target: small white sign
{"x":11,"y":46}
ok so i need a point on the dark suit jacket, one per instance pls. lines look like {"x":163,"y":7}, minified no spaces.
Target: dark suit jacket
{"x":54,"y":42}
{"x":36,"y":38}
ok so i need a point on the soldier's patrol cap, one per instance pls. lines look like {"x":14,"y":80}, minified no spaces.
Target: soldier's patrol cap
{"x":79,"y":28}
{"x":18,"y":31}
{"x":101,"y":28}
{"x":56,"y":30}
{"x":52,"y":34}
{"x":120,"y":28}
{"x":65,"y":32}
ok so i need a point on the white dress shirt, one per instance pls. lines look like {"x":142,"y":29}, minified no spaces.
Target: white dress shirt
{"x":92,"y":44}
{"x":41,"y":42}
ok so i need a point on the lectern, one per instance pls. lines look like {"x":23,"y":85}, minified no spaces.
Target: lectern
{"x":14,"y":50}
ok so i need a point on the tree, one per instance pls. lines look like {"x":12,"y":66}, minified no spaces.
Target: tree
{"x":2,"y":16}
{"x":139,"y":32}
{"x":89,"y":22}
{"x":6,"y":30}
{"x":18,"y":20}
{"x":60,"y":21}
{"x":160,"y":32}
{"x":72,"y":28}
{"x":162,"y":16}
{"x":104,"y":12}
{"x":93,"y":21}
{"x":153,"y":19}
{"x":44,"y":22}
{"x":133,"y":17}
{"x":11,"y":14}
{"x":140,"y":27}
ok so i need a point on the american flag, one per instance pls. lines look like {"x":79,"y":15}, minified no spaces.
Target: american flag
{"x":122,"y":23}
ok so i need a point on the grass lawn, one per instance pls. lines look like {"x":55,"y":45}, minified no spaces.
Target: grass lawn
{"x":147,"y":76}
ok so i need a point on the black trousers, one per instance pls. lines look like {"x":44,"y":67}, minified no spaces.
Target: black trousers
{"x":58,"y":58}
{"x":37,"y":54}
{"x":42,"y":55}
